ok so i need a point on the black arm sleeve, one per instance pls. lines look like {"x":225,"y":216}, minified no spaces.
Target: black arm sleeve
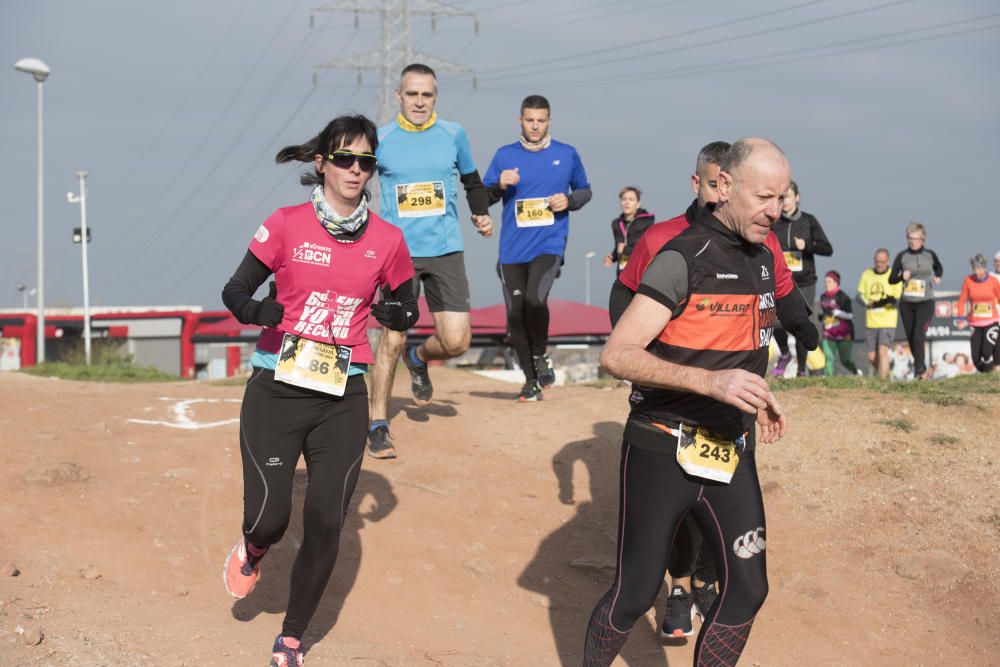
{"x":238,"y":292}
{"x":579,"y":197}
{"x":494,"y":193}
{"x":793,"y":313}
{"x":938,"y":269}
{"x":621,"y":297}
{"x":476,"y":193}
{"x":896,"y":273}
{"x":820,"y":245}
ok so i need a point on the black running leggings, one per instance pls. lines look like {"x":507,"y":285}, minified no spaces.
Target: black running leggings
{"x":655,"y":495}
{"x":916,"y":315}
{"x":984,"y":341}
{"x":278,"y":423}
{"x":526,"y":288}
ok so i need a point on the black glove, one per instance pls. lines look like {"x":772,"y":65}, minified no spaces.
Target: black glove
{"x":804,"y":331}
{"x":396,"y":315}
{"x":268,"y":312}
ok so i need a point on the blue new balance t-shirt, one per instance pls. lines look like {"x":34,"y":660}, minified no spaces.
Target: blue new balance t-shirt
{"x":529,"y":229}
{"x":418,"y":174}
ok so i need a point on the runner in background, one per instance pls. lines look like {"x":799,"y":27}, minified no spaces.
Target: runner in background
{"x":802,"y":238}
{"x":306,"y":396}
{"x":419,"y":157}
{"x":838,"y":325}
{"x":881,"y":302}
{"x":698,"y":389}
{"x":692,"y":572}
{"x":628,"y":227}
{"x":540,"y":181}
{"x":996,"y":267}
{"x":981,"y":294}
{"x":919,"y":270}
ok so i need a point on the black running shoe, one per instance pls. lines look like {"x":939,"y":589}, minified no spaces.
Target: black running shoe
{"x":677,"y":622}
{"x":704,"y":597}
{"x":380,"y":443}
{"x":545,"y":370}
{"x":530,"y":392}
{"x":420,"y":379}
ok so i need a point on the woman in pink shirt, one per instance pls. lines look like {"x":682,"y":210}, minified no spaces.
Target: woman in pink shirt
{"x":307,"y":395}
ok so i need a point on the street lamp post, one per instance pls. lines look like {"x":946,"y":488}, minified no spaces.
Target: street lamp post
{"x":83,"y":240}
{"x":589,"y":256}
{"x":40,"y":71}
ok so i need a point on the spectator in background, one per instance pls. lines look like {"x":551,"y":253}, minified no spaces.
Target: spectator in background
{"x":628,"y":227}
{"x":838,"y":328}
{"x":919,"y":269}
{"x":881,"y":315}
{"x":801,"y":239}
{"x":982,"y":294}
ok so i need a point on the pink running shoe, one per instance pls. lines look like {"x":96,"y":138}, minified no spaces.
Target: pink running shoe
{"x":286,"y":656}
{"x":242,"y":570}
{"x":779,"y":368}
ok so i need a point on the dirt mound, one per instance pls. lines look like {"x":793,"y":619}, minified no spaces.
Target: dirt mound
{"x":490,"y":539}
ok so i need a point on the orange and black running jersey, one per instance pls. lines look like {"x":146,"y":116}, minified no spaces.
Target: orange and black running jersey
{"x":725,"y":321}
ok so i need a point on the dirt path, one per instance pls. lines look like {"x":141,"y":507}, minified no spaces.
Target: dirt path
{"x":489,"y":540}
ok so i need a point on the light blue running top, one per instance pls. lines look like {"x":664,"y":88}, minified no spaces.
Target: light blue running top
{"x":418,"y":175}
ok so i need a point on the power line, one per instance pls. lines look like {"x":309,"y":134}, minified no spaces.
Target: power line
{"x":155,"y":206}
{"x":239,"y":136}
{"x":729,"y":40}
{"x":782,"y":57}
{"x":653,"y":40}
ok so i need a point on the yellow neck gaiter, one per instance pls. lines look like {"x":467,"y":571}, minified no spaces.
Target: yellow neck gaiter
{"x":410,"y":127}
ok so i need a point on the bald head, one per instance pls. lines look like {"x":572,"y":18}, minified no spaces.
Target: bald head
{"x":753,"y":180}
{"x":752,"y":150}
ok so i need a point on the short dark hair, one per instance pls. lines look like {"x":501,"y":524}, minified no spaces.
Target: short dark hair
{"x":535,"y":102}
{"x":339,"y":132}
{"x":631,"y":188}
{"x":711,"y":154}
{"x":417,"y":68}
{"x":794,"y":187}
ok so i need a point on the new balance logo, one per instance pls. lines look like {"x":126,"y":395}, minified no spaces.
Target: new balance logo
{"x":750,"y":544}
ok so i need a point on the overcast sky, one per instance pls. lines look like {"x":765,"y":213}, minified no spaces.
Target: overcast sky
{"x":887,"y":110}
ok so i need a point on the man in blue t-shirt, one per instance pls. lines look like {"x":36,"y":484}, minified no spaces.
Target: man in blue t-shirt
{"x":419,"y":160}
{"x":540,"y":182}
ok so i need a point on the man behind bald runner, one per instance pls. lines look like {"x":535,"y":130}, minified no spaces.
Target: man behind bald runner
{"x":694,"y":340}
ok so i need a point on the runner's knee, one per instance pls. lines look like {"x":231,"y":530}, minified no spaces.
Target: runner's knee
{"x":454,"y":343}
{"x":269,"y":529}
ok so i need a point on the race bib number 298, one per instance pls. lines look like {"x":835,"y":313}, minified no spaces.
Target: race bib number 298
{"x":420,"y":200}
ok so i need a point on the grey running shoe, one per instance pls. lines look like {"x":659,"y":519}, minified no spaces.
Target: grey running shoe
{"x":545,"y":370}
{"x":420,"y":380}
{"x":704,"y":598}
{"x":380,"y":443}
{"x":677,"y":622}
{"x":530,"y":392}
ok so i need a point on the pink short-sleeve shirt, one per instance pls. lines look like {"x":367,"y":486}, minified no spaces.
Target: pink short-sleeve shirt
{"x":326,"y":285}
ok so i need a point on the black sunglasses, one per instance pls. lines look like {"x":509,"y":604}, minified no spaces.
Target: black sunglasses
{"x":346,"y":160}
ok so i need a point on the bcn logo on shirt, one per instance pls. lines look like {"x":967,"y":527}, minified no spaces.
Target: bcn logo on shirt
{"x":312,"y":253}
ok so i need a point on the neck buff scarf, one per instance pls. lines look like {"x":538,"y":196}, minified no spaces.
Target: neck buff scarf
{"x":539,"y":145}
{"x":410,"y":127}
{"x":338,"y":224}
